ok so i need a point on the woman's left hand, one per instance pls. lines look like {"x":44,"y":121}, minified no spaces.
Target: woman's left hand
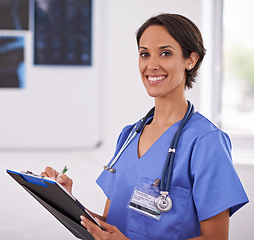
{"x":110,"y":232}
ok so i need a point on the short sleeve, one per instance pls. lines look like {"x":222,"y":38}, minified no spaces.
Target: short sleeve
{"x":106,"y":179}
{"x":216,"y":185}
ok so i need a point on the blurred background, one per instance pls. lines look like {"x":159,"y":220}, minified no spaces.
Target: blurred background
{"x":69,"y":83}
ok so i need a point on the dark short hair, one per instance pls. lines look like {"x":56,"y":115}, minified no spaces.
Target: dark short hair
{"x":186,"y":33}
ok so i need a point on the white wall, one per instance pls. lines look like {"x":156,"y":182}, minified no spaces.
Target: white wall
{"x":60,"y":106}
{"x":124,"y":100}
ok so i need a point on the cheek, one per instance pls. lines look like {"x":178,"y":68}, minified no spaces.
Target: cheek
{"x":141,"y":67}
{"x":175,"y":69}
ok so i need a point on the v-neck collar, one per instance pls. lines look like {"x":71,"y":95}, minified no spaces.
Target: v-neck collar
{"x":169,"y":132}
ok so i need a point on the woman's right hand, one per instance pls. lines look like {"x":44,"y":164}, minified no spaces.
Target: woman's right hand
{"x":64,"y":180}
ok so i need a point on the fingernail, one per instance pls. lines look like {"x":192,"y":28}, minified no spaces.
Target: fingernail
{"x":53,"y":171}
{"x":82,"y":223}
{"x":82,"y":217}
{"x":59,"y":179}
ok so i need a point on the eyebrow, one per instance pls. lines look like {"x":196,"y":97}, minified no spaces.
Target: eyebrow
{"x":162,"y":47}
{"x":167,"y":46}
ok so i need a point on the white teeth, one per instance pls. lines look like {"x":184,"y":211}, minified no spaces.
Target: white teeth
{"x":154,"y":79}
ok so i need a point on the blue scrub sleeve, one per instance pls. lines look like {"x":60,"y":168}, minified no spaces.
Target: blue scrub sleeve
{"x":216,"y":185}
{"x":107,"y":179}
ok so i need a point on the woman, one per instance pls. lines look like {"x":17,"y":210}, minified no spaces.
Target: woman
{"x":204,"y":188}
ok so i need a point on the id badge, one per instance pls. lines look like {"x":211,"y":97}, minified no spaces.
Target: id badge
{"x":143,"y":199}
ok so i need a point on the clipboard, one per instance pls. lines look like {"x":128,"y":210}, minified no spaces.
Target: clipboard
{"x":57,"y":200}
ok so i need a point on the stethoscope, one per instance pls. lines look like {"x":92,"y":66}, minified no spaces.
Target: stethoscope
{"x":163,"y":202}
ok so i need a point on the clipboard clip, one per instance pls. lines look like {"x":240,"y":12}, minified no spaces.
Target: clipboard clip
{"x":32,"y":174}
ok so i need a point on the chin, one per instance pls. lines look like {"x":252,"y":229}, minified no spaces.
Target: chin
{"x":153,"y":94}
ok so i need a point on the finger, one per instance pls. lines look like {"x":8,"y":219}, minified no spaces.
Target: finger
{"x":64,"y":179}
{"x":94,"y":229}
{"x":44,"y":174}
{"x":106,"y":226}
{"x":52,"y":173}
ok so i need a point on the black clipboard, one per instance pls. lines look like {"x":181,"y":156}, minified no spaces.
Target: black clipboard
{"x":57,"y":200}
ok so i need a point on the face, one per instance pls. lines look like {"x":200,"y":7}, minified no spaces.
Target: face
{"x":161,"y":63}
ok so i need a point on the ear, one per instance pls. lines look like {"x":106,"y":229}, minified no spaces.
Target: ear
{"x":192,"y":60}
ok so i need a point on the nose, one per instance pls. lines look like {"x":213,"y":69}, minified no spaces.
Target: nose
{"x":153,"y":63}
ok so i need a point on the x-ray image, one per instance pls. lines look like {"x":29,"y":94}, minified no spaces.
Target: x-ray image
{"x":11,"y":62}
{"x":62,"y":32}
{"x":14,"y":14}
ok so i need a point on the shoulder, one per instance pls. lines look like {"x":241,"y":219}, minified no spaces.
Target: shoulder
{"x":126,"y":131}
{"x":124,"y":135}
{"x":202,"y":125}
{"x":210,"y":146}
{"x":203,"y":128}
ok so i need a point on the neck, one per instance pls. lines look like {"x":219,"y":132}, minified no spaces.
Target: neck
{"x":167,"y":111}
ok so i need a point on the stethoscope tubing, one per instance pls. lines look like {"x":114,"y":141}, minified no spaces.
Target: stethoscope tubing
{"x":167,"y":171}
{"x":169,"y":163}
{"x":135,"y":130}
{"x":163,"y":202}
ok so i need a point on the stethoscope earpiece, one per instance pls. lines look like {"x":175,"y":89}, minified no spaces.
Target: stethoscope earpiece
{"x":112,"y":170}
{"x":105,"y":167}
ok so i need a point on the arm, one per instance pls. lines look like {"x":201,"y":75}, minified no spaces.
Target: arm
{"x":105,"y":213}
{"x":215,"y":227}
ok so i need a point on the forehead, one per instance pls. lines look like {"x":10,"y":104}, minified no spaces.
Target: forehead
{"x":157,"y":35}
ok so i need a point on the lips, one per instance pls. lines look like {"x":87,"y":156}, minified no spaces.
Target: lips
{"x":155,"y":79}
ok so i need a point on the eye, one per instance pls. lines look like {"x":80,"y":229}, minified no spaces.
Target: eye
{"x":144,"y":54}
{"x":166,"y":54}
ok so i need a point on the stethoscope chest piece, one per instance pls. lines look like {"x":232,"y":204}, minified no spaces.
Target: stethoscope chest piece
{"x":163,"y":202}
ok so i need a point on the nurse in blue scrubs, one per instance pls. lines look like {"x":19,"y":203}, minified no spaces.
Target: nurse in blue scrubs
{"x":204,"y":189}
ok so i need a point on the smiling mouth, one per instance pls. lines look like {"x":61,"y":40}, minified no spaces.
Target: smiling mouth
{"x":156,"y":79}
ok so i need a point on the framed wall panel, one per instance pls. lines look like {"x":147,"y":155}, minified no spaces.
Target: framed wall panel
{"x":11,"y":62}
{"x":14,"y":14}
{"x":62,"y":32}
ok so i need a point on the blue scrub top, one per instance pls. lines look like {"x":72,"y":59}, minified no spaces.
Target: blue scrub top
{"x":204,"y":181}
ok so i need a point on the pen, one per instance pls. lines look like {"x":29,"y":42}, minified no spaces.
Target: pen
{"x":63,"y":171}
